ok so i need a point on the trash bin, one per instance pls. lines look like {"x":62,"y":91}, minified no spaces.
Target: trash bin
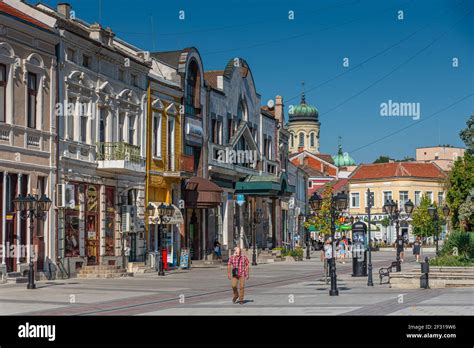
{"x":164,"y":256}
{"x":359,"y":249}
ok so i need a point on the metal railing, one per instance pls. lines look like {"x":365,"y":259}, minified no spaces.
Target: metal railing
{"x":118,"y":151}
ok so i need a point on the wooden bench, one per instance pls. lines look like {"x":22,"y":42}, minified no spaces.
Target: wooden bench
{"x":385,"y":271}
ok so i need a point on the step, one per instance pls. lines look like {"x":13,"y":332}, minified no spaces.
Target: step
{"x":17,"y":280}
{"x":13,"y":274}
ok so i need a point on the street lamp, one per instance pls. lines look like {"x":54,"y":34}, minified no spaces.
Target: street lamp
{"x":164,"y":213}
{"x":308,"y":239}
{"x":433,"y":211}
{"x":338,"y":204}
{"x":257,"y":219}
{"x":391,"y":209}
{"x":32,"y":207}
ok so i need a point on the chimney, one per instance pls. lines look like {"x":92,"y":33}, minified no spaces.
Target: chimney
{"x":279,"y":109}
{"x":64,"y":9}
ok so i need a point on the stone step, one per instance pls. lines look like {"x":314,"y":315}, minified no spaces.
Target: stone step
{"x":17,"y":280}
{"x":101,"y":267}
{"x":13,"y":274}
{"x":110,"y":275}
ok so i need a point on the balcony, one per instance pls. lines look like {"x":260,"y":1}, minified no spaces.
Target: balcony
{"x":120,"y":157}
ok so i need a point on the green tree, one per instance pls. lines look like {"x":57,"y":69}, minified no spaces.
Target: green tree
{"x":382,"y":159}
{"x":322,"y":219}
{"x":466,"y":212}
{"x":458,"y":185}
{"x":467,"y":135}
{"x":423,"y":225}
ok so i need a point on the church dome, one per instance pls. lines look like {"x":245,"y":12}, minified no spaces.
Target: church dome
{"x":343,"y":159}
{"x":303,"y":111}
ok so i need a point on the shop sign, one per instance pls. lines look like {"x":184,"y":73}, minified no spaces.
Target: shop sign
{"x":240,"y":200}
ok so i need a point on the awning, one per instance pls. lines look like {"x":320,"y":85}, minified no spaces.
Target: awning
{"x":202,"y":193}
{"x":265,"y":185}
{"x":176,"y":219}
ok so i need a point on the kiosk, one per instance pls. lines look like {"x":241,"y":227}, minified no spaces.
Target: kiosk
{"x":359,"y":249}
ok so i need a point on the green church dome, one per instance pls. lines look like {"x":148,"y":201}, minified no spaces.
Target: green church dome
{"x":303,"y":111}
{"x":343,"y":159}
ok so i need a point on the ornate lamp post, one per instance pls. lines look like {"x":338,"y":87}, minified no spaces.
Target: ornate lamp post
{"x":163,"y":214}
{"x":308,"y":239}
{"x":32,"y":207}
{"x":433,"y":211}
{"x":391,"y":209}
{"x":338,"y":205}
{"x":257,"y":219}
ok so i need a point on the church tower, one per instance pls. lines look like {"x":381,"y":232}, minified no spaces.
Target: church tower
{"x":304,"y":127}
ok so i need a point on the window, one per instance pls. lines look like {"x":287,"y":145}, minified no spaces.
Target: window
{"x":32,"y":94}
{"x":86,"y":61}
{"x":192,"y":89}
{"x":134,"y":80}
{"x":355,"y":200}
{"x":310,"y":184}
{"x":301,"y":143}
{"x":70,"y":118}
{"x":71,"y":55}
{"x":430,"y":195}
{"x":440,"y":198}
{"x":131,"y":130}
{"x":170,"y":140}
{"x":121,"y":75}
{"x":312,"y":140}
{"x":417,"y":198}
{"x":269,"y":155}
{"x":156,"y":134}
{"x":3,"y":92}
{"x":292,"y":139}
{"x":230,"y":128}
{"x":83,"y":128}
{"x":102,"y":125}
{"x":403,"y":198}
{"x":387,"y":196}
{"x":121,"y":125}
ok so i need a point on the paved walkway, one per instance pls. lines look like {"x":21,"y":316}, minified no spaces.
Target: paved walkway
{"x":273,"y":289}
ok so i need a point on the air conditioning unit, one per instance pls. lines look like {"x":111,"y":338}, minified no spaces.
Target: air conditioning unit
{"x":65,"y":196}
{"x":129,"y":218}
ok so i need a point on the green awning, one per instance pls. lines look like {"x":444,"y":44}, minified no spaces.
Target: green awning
{"x":264,"y":185}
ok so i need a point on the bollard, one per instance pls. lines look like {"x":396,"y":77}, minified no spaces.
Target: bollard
{"x":425,"y":270}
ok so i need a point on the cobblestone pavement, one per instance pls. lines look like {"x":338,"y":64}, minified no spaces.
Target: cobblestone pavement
{"x":273,"y":289}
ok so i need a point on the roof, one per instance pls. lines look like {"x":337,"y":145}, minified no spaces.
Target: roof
{"x":268,"y":111}
{"x":211,"y":77}
{"x":168,"y":57}
{"x":398,"y":169}
{"x":337,"y":185}
{"x":311,"y":171}
{"x":325,"y":157}
{"x":13,"y":12}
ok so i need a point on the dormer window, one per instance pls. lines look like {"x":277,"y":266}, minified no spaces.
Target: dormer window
{"x":134,"y":80}
{"x":71,"y":55}
{"x":121,"y":75}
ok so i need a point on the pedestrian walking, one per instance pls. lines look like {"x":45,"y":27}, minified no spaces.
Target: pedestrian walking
{"x":238,"y":272}
{"x":327,"y":253}
{"x":417,"y":249}
{"x":217,"y":250}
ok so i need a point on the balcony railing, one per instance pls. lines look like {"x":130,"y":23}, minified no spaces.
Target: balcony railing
{"x":118,"y":151}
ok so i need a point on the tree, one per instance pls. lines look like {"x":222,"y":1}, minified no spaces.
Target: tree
{"x":423,"y":225}
{"x":466,"y":212}
{"x":322,"y":219}
{"x":467,"y":135}
{"x":382,"y":159}
{"x":459,"y":182}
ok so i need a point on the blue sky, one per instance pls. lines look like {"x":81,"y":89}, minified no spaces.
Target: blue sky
{"x":407,"y":60}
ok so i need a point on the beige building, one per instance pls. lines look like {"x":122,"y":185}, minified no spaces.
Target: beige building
{"x":27,"y":131}
{"x":443,"y":156}
{"x":399,"y":181}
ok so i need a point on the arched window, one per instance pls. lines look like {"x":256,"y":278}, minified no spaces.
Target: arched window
{"x":301,"y":143}
{"x":311,"y":140}
{"x":292,"y":140}
{"x":193,"y":82}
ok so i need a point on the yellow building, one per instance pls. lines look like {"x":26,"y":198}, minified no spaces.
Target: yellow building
{"x":164,"y":147}
{"x":399,"y":181}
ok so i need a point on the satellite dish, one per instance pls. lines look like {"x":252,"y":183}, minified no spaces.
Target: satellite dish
{"x":270,"y":104}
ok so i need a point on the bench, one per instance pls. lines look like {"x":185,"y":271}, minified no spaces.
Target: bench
{"x":385,"y":271}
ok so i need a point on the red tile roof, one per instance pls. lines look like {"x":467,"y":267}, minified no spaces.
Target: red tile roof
{"x":13,"y":12}
{"x":211,"y":77}
{"x":268,"y":111}
{"x":397,"y":169}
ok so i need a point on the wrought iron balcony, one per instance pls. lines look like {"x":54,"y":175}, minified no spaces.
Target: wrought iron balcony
{"x":119,"y":156}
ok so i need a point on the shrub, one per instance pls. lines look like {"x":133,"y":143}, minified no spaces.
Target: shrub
{"x":463,"y":241}
{"x":452,"y":261}
{"x":297,"y":253}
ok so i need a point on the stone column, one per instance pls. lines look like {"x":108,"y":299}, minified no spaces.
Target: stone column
{"x":18,"y":226}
